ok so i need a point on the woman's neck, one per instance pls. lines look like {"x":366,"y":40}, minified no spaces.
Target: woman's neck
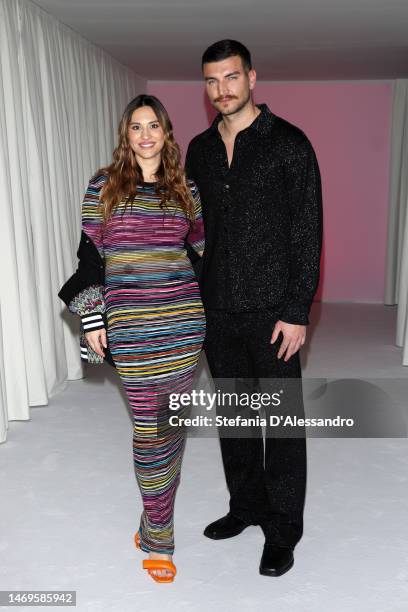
{"x":149,"y":170}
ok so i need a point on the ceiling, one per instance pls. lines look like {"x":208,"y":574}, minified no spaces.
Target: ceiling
{"x":288,"y":39}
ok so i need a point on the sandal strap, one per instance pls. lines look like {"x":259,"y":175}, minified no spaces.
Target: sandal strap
{"x":159,"y":564}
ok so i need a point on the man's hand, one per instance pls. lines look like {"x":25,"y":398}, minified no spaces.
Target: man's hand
{"x":294,"y":337}
{"x":96,"y":340}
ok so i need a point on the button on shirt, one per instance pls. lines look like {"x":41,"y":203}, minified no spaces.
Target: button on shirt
{"x":262,"y":218}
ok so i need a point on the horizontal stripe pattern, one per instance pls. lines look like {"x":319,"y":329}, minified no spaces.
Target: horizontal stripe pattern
{"x":92,"y":322}
{"x":156,"y":328}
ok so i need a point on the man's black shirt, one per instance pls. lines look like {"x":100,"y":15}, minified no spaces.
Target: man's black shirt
{"x":262,"y":218}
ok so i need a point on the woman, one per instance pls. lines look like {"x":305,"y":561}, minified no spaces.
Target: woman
{"x":138,"y":212}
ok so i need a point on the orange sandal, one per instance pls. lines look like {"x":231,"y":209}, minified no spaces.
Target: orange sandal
{"x":153,"y":564}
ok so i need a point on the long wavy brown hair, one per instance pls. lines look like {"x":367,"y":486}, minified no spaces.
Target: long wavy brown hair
{"x":124,"y":173}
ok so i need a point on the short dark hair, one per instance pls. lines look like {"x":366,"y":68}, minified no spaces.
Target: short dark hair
{"x":227,"y":48}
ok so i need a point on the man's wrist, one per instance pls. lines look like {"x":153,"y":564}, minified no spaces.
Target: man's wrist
{"x":295,"y":313}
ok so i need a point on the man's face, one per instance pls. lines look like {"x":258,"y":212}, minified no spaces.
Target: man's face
{"x":228,"y":85}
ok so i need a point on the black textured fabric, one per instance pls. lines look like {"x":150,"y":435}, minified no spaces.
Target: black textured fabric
{"x":271,"y":491}
{"x":90,"y":270}
{"x":262,"y":218}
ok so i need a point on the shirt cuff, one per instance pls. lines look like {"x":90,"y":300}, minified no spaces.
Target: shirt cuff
{"x":92,"y":321}
{"x":296,"y":314}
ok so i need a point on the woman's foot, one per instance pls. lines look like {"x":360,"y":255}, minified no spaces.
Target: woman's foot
{"x":163,"y":573}
{"x":159,"y":574}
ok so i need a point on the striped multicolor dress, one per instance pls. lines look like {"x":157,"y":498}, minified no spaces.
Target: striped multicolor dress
{"x":155,"y":329}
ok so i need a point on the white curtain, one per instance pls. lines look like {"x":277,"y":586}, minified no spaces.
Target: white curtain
{"x":396,"y":282}
{"x":60,"y":103}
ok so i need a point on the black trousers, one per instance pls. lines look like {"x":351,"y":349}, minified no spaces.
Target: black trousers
{"x":266,"y":484}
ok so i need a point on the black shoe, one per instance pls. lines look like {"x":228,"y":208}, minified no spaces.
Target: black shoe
{"x":276,"y":560}
{"x":226,"y":527}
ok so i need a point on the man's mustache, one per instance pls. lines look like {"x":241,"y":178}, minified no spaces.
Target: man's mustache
{"x":225,"y":98}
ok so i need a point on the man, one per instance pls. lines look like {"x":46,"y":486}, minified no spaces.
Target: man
{"x":260,"y":188}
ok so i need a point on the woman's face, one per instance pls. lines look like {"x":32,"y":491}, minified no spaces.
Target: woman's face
{"x":145,"y":134}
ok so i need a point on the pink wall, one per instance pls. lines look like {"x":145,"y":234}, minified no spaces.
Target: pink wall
{"x":349,"y":126}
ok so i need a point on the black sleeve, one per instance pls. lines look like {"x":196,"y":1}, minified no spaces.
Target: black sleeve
{"x":191,"y":254}
{"x":305,"y":201}
{"x":189,"y":164}
{"x":90,"y":270}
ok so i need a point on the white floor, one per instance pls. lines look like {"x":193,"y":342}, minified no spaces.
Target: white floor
{"x":70,"y":503}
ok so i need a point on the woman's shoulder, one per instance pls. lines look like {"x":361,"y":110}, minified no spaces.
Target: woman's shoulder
{"x":98,"y":179}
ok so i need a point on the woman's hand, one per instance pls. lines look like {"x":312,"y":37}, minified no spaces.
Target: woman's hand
{"x":96,"y":340}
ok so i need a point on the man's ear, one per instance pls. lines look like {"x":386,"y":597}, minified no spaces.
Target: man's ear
{"x":252,"y":78}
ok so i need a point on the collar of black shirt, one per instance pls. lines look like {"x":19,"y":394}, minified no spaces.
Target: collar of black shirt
{"x":261,"y":124}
